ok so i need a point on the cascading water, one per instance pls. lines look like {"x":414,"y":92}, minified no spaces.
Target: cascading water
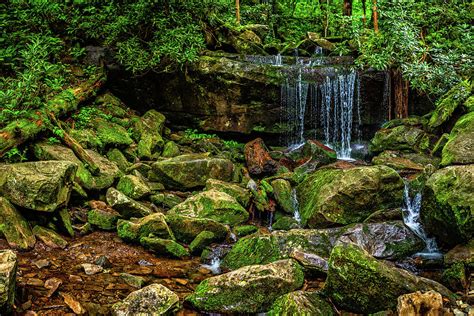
{"x":296,"y":208}
{"x":411,"y":218}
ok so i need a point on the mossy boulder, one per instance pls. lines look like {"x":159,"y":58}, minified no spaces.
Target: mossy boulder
{"x":239,"y":193}
{"x":133,"y":230}
{"x":111,"y":134}
{"x":401,"y":138}
{"x":359,"y":283}
{"x":212,"y":204}
{"x":108,"y":170}
{"x":170,"y":150}
{"x":250,"y":289}
{"x":397,"y":161}
{"x":149,"y":129}
{"x":314,"y":153}
{"x":165,"y":247}
{"x":40,"y":186}
{"x":8,"y":268}
{"x":167,"y":200}
{"x":116,"y":156}
{"x":455,"y":277}
{"x":133,"y":186}
{"x":448,"y":205}
{"x":461,"y":253}
{"x":204,"y":239}
{"x":301,"y":303}
{"x":190,"y":171}
{"x":186,"y":229}
{"x":126,"y":206}
{"x":245,"y":230}
{"x":284,"y":195}
{"x":14,"y":227}
{"x":103,"y":219}
{"x":154,"y":299}
{"x":49,"y":237}
{"x":285,"y":223}
{"x":340,"y":197}
{"x":459,"y":148}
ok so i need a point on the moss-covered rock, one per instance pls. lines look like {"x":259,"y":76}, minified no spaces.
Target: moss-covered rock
{"x":41,"y":186}
{"x":314,"y":153}
{"x":401,"y":138}
{"x":167,"y":200}
{"x":170,"y":150}
{"x":155,"y":299}
{"x":8,"y":268}
{"x":190,"y":171}
{"x":111,"y":134}
{"x":204,"y":239}
{"x":285,"y":223}
{"x":133,"y":187}
{"x":461,"y":253}
{"x":49,"y":237}
{"x":336,"y":196}
{"x":242,"y":195}
{"x":154,"y":224}
{"x":103,"y":219}
{"x":301,"y":303}
{"x":116,"y":156}
{"x":165,"y":247}
{"x":186,"y":229}
{"x":214,"y":205}
{"x":455,"y":277}
{"x":245,"y":230}
{"x":459,"y":148}
{"x":14,"y":227}
{"x":359,"y":283}
{"x":149,"y":129}
{"x":397,"y":161}
{"x":448,"y":205}
{"x":249,"y":289}
{"x":126,"y":206}
{"x":283,"y":194}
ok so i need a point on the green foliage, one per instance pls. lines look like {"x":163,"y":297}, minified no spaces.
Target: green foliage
{"x":194,"y":134}
{"x":15,"y":155}
{"x":86,"y":114}
{"x":53,"y":141}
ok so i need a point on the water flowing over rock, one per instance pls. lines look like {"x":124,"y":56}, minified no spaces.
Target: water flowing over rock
{"x":359,"y":283}
{"x":41,"y":186}
{"x":334,"y":196}
{"x":249,"y":289}
{"x":153,"y":300}
{"x":14,"y":226}
{"x":8,"y":267}
{"x":191,"y":171}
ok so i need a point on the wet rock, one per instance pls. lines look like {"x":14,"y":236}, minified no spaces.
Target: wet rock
{"x":166,"y":247}
{"x":110,"y":134}
{"x":459,"y":148}
{"x":134,"y":229}
{"x":133,"y":280}
{"x":236,"y":191}
{"x":448,"y":205}
{"x":190,"y":171}
{"x":455,"y":277}
{"x":155,"y":299}
{"x":126,"y":206}
{"x":40,"y":186}
{"x":403,"y":138}
{"x":8,"y":268}
{"x":285,"y":223}
{"x":49,"y":237}
{"x":229,"y":293}
{"x":283,"y":195}
{"x":108,"y":171}
{"x":14,"y":227}
{"x":461,"y":253}
{"x":72,"y":303}
{"x":245,"y":230}
{"x":300,"y":303}
{"x":170,"y":150}
{"x":396,"y":161}
{"x":167,"y":200}
{"x":52,"y":285}
{"x":204,"y":239}
{"x":186,"y":229}
{"x":103,"y":262}
{"x":315,"y":153}
{"x":41,"y":263}
{"x":105,"y":219}
{"x":134,"y":187}
{"x":91,"y":269}
{"x":214,"y":205}
{"x":429,"y":304}
{"x":334,"y":196}
{"x":359,"y":283}
{"x":258,"y":159}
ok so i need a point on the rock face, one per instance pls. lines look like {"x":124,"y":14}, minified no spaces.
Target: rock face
{"x":334,"y":196}
{"x":153,"y":300}
{"x":448,"y":204}
{"x":8,"y":266}
{"x":40,"y":186}
{"x":212,"y":204}
{"x":460,"y":146}
{"x":190,"y":171}
{"x":126,"y":206}
{"x":14,"y":227}
{"x":359,"y":283}
{"x":250,"y":289}
{"x":300,"y":303}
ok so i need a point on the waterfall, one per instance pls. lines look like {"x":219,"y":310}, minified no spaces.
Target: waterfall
{"x":275,"y":60}
{"x":411,"y":218}
{"x":296,"y":208}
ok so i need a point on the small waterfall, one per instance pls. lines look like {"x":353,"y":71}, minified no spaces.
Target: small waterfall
{"x":411,"y":218}
{"x":296,"y":208}
{"x":215,"y":259}
{"x":270,"y":221}
{"x":275,"y":60}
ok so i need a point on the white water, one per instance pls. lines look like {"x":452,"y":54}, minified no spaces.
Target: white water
{"x":296,"y":208}
{"x":411,"y":217}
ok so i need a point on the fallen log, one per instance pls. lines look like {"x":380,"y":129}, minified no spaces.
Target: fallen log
{"x":21,"y":130}
{"x":258,"y":159}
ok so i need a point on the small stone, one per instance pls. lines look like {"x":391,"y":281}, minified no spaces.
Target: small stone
{"x":143,"y":262}
{"x":74,"y":305}
{"x":35,"y":282}
{"x":181,"y":281}
{"x":41,"y":263}
{"x":104,"y":262}
{"x":49,"y":237}
{"x":91,"y":269}
{"x":75,"y":278}
{"x":133,"y":280}
{"x":52,"y":285}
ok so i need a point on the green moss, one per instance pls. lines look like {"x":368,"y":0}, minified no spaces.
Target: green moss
{"x":115,"y":155}
{"x":165,"y":247}
{"x":455,"y":277}
{"x":204,"y":239}
{"x":245,"y":230}
{"x":106,"y":221}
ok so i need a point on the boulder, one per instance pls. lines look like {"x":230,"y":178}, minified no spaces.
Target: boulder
{"x":314,"y":152}
{"x":284,"y":195}
{"x":110,"y":134}
{"x":149,"y":129}
{"x":258,"y":159}
{"x":242,"y":195}
{"x":170,"y":150}
{"x":285,"y":223}
{"x":448,"y":205}
{"x":204,"y":239}
{"x":359,"y":283}
{"x":134,"y":229}
{"x":8,"y":267}
{"x":339,"y":197}
{"x":49,"y":237}
{"x":186,"y":229}
{"x":126,"y":206}
{"x":14,"y":227}
{"x":455,"y":277}
{"x":401,"y":138}
{"x":300,"y":303}
{"x":41,"y":186}
{"x":116,"y":156}
{"x":461,"y":253}
{"x":133,"y":186}
{"x":154,"y":299}
{"x":245,"y":230}
{"x":103,"y":218}
{"x":190,"y":171}
{"x":167,"y":200}
{"x":250,"y":289}
{"x":459,"y":148}
{"x":429,"y":304}
{"x":165,"y":247}
{"x":212,"y":204}
{"x":396,"y":161}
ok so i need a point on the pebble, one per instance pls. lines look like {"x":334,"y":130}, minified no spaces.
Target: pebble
{"x":42,"y":263}
{"x":75,"y":278}
{"x":74,"y":305}
{"x":35,"y":282}
{"x":143,"y":262}
{"x":91,"y":269}
{"x":104,"y":262}
{"x":52,"y":285}
{"x":181,"y":281}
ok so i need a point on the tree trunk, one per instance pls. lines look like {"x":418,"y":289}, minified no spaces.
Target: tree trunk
{"x":400,"y":95}
{"x":258,"y":159}
{"x":21,"y":130}
{"x":347,"y":8}
{"x":237,"y":11}
{"x":375,"y":16}
{"x":364,"y":10}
